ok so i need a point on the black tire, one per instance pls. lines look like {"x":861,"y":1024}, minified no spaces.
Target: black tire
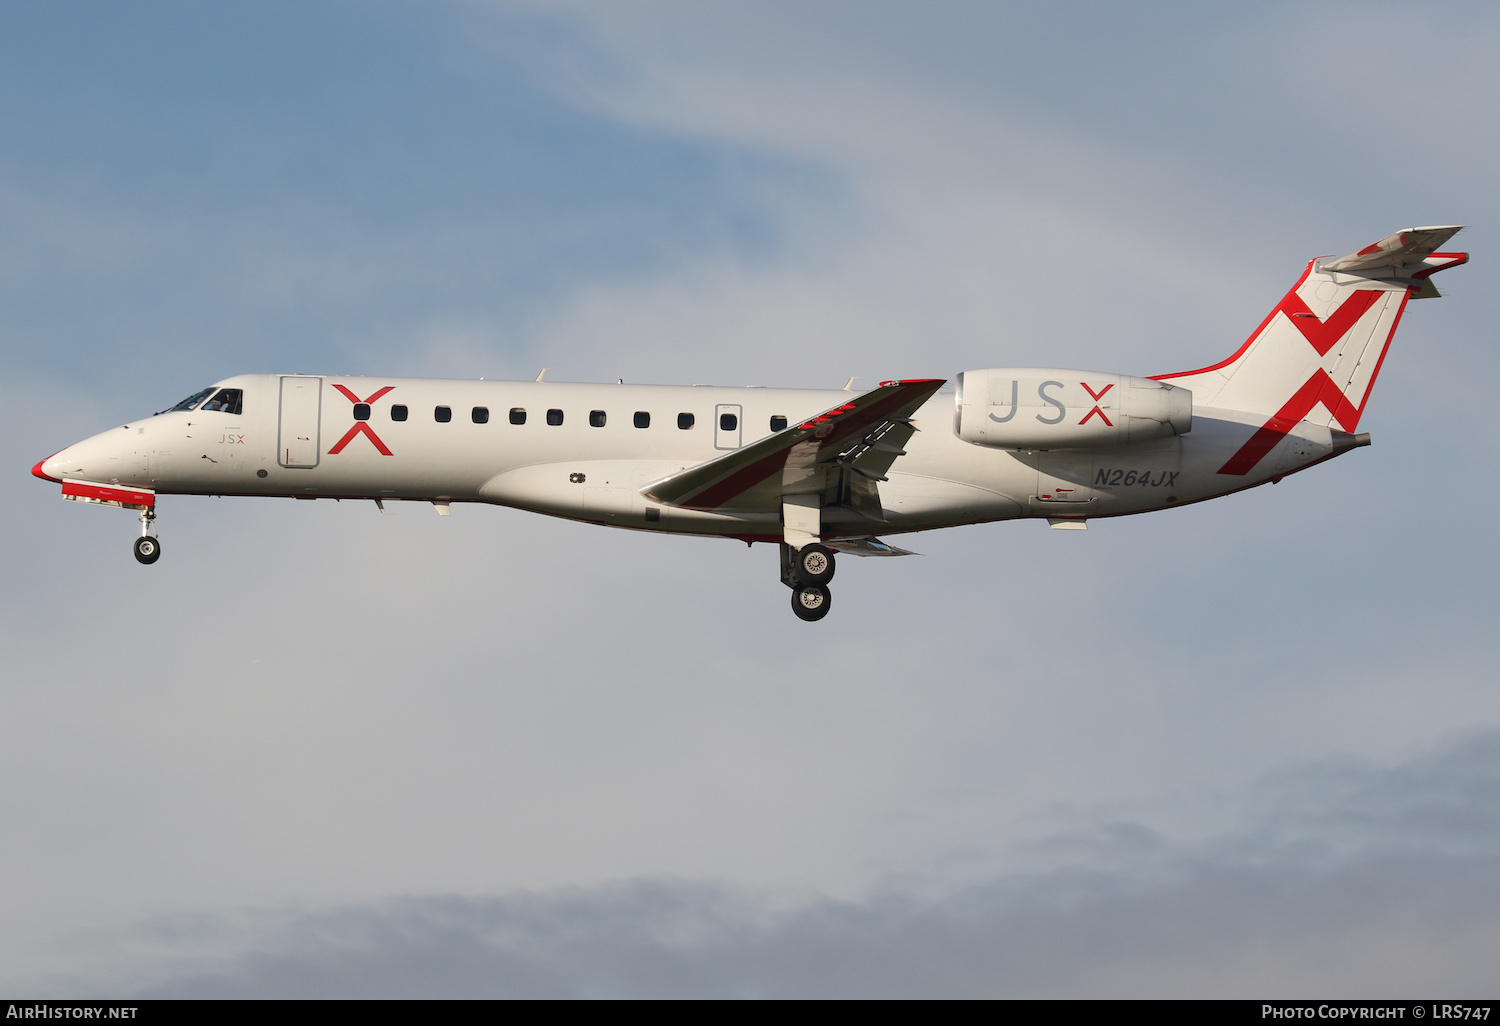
{"x":147,"y":549}
{"x":815,"y":564}
{"x":811,"y":602}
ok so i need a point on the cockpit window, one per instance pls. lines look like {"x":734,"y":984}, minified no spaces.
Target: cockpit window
{"x":228,"y":401}
{"x":191,"y":402}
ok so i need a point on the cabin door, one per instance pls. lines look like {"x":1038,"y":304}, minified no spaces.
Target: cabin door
{"x":301,"y":408}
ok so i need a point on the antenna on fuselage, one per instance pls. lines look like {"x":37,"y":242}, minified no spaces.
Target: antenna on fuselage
{"x":542,"y":375}
{"x":849,"y":385}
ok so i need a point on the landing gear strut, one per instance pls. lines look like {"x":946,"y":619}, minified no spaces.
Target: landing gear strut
{"x":807,"y":572}
{"x":148,"y":546}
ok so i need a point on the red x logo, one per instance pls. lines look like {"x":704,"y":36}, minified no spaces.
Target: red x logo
{"x":360,"y":426}
{"x":1320,"y":388}
{"x":1096,"y":410}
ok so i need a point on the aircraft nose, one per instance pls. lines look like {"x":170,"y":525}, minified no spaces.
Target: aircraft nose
{"x":40,"y":470}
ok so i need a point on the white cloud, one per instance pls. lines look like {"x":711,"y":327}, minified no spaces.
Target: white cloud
{"x":976,"y":224}
{"x":1336,"y":880}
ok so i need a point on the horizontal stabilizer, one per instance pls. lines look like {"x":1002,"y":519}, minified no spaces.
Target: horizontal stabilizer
{"x":1402,"y":255}
{"x":851,"y":429}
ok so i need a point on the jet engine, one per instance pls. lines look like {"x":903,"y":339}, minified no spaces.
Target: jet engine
{"x":1045,"y":408}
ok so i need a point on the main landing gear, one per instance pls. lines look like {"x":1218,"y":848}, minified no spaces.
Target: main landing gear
{"x":148,"y":545}
{"x":807,"y":572}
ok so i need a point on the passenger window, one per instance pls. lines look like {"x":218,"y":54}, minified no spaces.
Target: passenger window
{"x":554,"y":417}
{"x":517,"y":415}
{"x":596,"y":418}
{"x":442,"y":414}
{"x":778,"y":423}
{"x":642,"y":419}
{"x":227,"y":401}
{"x":398,"y":412}
{"x":685,"y":421}
{"x":728,"y":422}
{"x":481,"y":415}
{"x":361,"y":411}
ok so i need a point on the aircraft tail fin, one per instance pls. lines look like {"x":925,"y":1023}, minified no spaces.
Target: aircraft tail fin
{"x":1316,"y":355}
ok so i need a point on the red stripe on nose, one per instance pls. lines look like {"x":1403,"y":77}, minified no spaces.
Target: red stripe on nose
{"x":36,"y":471}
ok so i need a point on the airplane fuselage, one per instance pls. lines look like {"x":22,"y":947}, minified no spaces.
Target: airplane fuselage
{"x":586,"y":451}
{"x":817,"y":472}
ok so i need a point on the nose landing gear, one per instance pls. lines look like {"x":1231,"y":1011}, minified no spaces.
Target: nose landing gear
{"x":147,"y":549}
{"x":807,"y":572}
{"x":148,"y":546}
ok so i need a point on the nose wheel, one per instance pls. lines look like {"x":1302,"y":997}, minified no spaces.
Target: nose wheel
{"x":807,"y":572}
{"x":148,"y":545}
{"x":147,"y":549}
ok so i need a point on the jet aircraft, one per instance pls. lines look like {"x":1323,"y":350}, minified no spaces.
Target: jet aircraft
{"x":817,"y":473}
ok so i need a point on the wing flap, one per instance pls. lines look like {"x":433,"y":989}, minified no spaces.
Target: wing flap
{"x":867,"y":547}
{"x":867,"y":433}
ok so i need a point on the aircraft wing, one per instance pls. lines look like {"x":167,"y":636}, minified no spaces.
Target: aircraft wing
{"x":863,"y":436}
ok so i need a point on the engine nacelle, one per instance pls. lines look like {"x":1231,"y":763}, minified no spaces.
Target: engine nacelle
{"x":1044,"y":408}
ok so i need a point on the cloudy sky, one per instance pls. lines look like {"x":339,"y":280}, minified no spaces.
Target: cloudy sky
{"x":1243,"y":748}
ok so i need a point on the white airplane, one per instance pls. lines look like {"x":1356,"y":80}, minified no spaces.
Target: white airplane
{"x":817,"y":472}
